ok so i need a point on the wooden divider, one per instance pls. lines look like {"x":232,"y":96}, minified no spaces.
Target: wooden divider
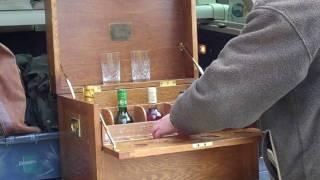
{"x":138,"y":112}
{"x":139,"y":95}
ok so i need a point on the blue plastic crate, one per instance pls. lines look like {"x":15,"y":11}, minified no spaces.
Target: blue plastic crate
{"x":263,"y":172}
{"x":30,"y":157}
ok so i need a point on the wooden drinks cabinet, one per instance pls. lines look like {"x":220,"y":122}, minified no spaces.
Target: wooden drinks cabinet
{"x":78,"y":33}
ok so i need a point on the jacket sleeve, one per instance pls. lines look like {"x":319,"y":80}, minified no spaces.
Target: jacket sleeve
{"x":253,"y":71}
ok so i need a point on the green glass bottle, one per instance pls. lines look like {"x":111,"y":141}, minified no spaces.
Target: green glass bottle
{"x":123,"y":117}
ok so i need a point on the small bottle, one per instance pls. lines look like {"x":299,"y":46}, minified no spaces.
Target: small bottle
{"x":123,"y":117}
{"x":153,"y":113}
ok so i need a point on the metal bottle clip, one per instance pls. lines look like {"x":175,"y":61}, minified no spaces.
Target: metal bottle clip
{"x":183,"y":48}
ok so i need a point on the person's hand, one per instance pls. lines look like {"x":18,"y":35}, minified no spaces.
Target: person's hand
{"x":163,"y":127}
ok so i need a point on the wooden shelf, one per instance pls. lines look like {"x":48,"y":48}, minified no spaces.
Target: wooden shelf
{"x":223,"y":27}
{"x":135,"y":140}
{"x":22,"y":17}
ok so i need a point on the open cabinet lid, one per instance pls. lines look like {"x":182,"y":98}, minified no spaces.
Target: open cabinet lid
{"x":79,"y":32}
{"x":135,"y":140}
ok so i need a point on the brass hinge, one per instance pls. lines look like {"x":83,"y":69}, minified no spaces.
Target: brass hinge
{"x":90,"y":91}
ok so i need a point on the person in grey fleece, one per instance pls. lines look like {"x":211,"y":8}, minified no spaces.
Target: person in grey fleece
{"x":271,"y":72}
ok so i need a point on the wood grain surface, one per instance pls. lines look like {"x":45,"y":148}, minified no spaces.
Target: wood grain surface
{"x":224,"y":163}
{"x":78,"y":155}
{"x":135,"y":140}
{"x":78,"y":35}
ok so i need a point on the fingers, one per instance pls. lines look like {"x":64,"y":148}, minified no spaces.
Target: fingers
{"x":163,"y":127}
{"x":156,"y":134}
{"x":156,"y":130}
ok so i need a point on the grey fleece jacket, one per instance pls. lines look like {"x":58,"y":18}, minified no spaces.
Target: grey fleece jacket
{"x":271,"y":71}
